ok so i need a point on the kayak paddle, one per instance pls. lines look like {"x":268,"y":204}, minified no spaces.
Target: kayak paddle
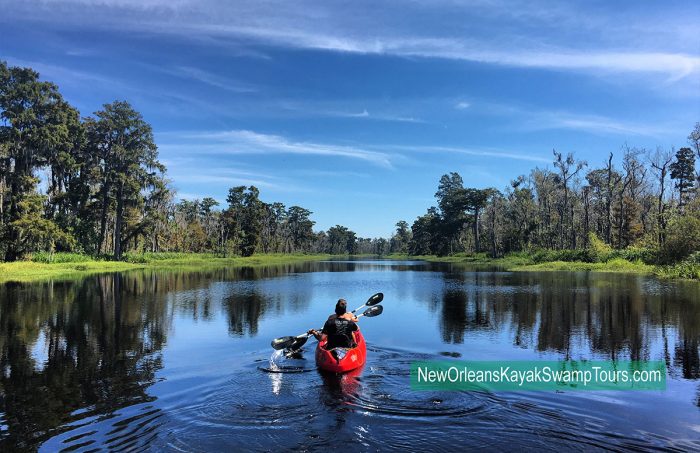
{"x":296,"y":342}
{"x":374,"y":300}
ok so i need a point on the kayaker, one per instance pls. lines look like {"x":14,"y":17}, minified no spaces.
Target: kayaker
{"x":338,"y":328}
{"x":342,"y":306}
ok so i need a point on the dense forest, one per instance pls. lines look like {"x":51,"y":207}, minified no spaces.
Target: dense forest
{"x":94,"y":185}
{"x":649,"y":208}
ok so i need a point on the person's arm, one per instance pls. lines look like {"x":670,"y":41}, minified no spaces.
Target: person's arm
{"x":320,"y":336}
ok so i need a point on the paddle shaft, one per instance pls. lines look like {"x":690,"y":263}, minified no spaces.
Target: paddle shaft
{"x":280,"y":343}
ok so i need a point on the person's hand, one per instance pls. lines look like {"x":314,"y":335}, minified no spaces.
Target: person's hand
{"x":312,"y":332}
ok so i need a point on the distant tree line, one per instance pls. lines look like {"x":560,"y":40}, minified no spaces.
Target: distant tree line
{"x":649,"y":204}
{"x":105,"y":192}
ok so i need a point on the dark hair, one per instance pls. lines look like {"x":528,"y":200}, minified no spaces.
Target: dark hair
{"x":341,"y":307}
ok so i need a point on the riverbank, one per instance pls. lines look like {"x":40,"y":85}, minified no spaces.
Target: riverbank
{"x":522,"y":263}
{"x":63,"y":266}
{"x":70,"y":266}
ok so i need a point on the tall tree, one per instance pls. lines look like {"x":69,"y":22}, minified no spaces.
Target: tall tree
{"x":660,"y":163}
{"x":399,"y":242}
{"x":341,"y":240}
{"x":452,"y":200}
{"x":35,"y":127}
{"x":568,"y":169}
{"x":425,"y":233}
{"x":300,"y":228}
{"x":474,"y":202}
{"x":694,"y":139}
{"x":129,"y":164}
{"x":683,"y":171}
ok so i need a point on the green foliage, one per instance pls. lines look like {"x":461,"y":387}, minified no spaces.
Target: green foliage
{"x":542,"y":255}
{"x":683,"y":171}
{"x":59,"y":257}
{"x":36,"y":127}
{"x":682,"y":237}
{"x":599,"y":250}
{"x":341,"y":241}
{"x":150,"y":257}
{"x":130,"y":169}
{"x":636,"y":253}
{"x":32,"y":232}
{"x":689,"y":269}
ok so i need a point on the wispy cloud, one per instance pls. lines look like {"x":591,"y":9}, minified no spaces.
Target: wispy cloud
{"x":542,"y":35}
{"x":181,"y":170}
{"x":249,"y":142}
{"x":481,"y":152}
{"x":208,"y":78}
{"x":674,"y":65}
{"x":594,"y":124}
{"x":371,"y":116}
{"x":383,"y":155}
{"x":462,"y":105}
{"x":523,"y":118}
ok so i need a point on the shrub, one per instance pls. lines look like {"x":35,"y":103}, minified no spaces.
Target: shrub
{"x":542,"y":255}
{"x":148,"y":257}
{"x":682,"y":238}
{"x":598,"y":249}
{"x":59,"y":257}
{"x":646,"y":255}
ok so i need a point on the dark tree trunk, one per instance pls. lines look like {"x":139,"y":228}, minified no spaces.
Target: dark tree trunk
{"x":118,"y":222}
{"x":103,"y":217}
{"x":477,"y":246}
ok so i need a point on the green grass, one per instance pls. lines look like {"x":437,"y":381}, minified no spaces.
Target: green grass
{"x":61,"y":266}
{"x":614,"y":265}
{"x":71,"y":265}
{"x":470,"y":258}
{"x":524,"y":261}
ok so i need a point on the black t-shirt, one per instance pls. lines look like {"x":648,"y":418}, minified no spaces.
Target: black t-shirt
{"x":339,"y":331}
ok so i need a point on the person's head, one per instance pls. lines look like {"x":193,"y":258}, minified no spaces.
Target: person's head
{"x":341,"y":307}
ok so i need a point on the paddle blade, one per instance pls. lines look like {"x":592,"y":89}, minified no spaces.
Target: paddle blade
{"x":282,"y":342}
{"x":298,"y":343}
{"x":374,"y":311}
{"x":375,"y":299}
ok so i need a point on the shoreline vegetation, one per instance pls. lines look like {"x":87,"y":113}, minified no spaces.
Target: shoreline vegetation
{"x":70,"y":265}
{"x":522,"y":262}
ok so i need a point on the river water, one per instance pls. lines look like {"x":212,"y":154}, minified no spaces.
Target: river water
{"x":181,"y":361}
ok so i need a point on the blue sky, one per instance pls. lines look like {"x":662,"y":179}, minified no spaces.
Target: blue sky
{"x":355,"y":109}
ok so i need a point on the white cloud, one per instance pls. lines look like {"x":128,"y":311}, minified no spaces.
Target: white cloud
{"x":462,"y":105}
{"x":482,"y":152}
{"x":249,"y":142}
{"x":383,"y":155}
{"x":545,"y":36}
{"x":208,"y":78}
{"x":373,"y":116}
{"x":599,"y":125}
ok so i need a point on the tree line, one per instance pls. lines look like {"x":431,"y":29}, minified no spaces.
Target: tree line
{"x":105,"y":192}
{"x":649,"y":204}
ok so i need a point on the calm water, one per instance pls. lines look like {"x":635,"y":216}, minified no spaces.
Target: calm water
{"x":177,"y":360}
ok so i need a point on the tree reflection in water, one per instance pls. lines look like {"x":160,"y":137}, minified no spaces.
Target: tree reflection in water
{"x":97,"y":342}
{"x":79,"y":349}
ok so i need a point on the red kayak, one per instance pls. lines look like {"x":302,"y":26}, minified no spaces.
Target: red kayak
{"x":353,"y":358}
